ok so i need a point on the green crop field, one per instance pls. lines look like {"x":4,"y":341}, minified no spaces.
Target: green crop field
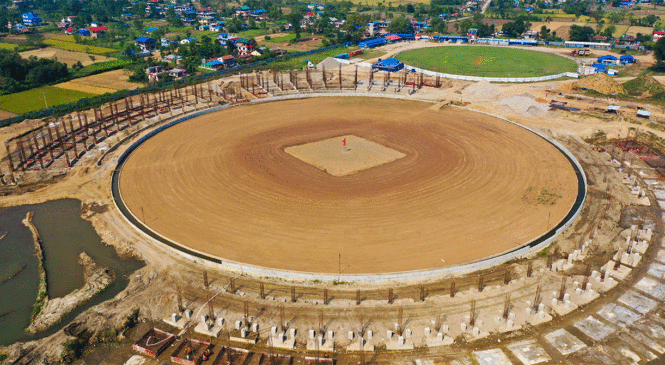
{"x":76,"y":47}
{"x":487,"y":61}
{"x":9,"y":46}
{"x":33,"y":100}
{"x":286,"y":38}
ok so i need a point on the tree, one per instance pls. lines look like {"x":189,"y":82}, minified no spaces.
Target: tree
{"x":410,"y":9}
{"x":173,"y":18}
{"x":138,"y":24}
{"x":355,"y":26}
{"x":659,"y":51}
{"x":515,"y":28}
{"x":400,"y":25}
{"x":295,"y":18}
{"x":580,"y":34}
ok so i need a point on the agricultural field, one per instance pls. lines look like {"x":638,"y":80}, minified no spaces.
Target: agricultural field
{"x":487,"y":61}
{"x":634,"y":30}
{"x":77,"y":47}
{"x":252,"y":33}
{"x":107,"y":82}
{"x":33,"y":100}
{"x":279,"y":38}
{"x":67,"y":57}
{"x":9,"y":46}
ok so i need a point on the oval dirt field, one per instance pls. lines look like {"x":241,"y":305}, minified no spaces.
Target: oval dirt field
{"x":447,"y":186}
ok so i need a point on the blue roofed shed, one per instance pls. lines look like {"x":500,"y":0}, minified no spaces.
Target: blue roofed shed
{"x":607,"y":59}
{"x":600,"y":67}
{"x":371,"y":43}
{"x":627,"y":59}
{"x":389,"y":64}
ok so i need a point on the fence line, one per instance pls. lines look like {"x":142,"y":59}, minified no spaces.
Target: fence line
{"x":87,"y":103}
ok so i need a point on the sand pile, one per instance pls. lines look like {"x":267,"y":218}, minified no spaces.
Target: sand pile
{"x":329,"y":63}
{"x":524,"y":105}
{"x":601,"y":83}
{"x":480,"y":91}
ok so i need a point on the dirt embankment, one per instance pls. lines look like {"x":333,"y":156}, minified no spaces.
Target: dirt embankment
{"x":97,"y":279}
{"x":42,"y":294}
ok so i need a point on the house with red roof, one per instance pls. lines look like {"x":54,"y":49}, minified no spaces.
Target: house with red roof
{"x":96,"y":32}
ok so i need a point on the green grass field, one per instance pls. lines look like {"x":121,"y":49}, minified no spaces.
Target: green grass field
{"x":286,"y":38}
{"x":487,"y":61}
{"x":33,"y":100}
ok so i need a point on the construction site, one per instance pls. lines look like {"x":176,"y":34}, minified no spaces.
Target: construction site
{"x":589,"y":290}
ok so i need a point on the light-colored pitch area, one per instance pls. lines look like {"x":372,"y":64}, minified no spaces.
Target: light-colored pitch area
{"x":469,"y":186}
{"x":344,"y":155}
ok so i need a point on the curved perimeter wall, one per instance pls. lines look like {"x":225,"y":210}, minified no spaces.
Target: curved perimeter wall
{"x":519,"y":252}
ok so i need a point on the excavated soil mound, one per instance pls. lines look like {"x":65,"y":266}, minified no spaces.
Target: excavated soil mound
{"x":643,"y":86}
{"x":601,"y":83}
{"x":480,"y":91}
{"x":468,"y":186}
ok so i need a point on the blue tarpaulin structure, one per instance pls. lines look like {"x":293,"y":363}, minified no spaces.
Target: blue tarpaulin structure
{"x":600,"y":67}
{"x":607,"y":59}
{"x":627,"y":59}
{"x":371,"y":43}
{"x":389,"y":64}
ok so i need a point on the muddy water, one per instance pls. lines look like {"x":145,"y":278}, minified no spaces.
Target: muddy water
{"x":65,"y":235}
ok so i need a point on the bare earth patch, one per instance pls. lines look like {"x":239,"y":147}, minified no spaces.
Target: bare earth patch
{"x":64,"y":56}
{"x":224,"y":184}
{"x":344,"y":155}
{"x":102,"y":83}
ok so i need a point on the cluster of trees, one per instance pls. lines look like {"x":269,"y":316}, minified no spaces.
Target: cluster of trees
{"x":476,"y":22}
{"x":581,"y":33}
{"x":516,"y":28}
{"x":547,"y":34}
{"x":17,"y":74}
{"x":647,"y":21}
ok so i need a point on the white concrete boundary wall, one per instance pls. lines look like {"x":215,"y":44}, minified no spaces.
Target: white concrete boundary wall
{"x":524,"y":251}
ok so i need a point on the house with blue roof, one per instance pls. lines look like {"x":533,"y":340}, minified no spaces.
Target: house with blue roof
{"x":31,"y":19}
{"x":150,"y":30}
{"x":146,"y":44}
{"x":84,"y":32}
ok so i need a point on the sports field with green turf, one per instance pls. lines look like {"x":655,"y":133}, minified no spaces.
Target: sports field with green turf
{"x":487,"y":61}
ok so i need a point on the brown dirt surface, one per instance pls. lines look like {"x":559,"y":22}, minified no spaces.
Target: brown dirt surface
{"x":110,"y":81}
{"x":6,"y":115}
{"x":64,"y":56}
{"x":469,"y":186}
{"x":73,"y":85}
